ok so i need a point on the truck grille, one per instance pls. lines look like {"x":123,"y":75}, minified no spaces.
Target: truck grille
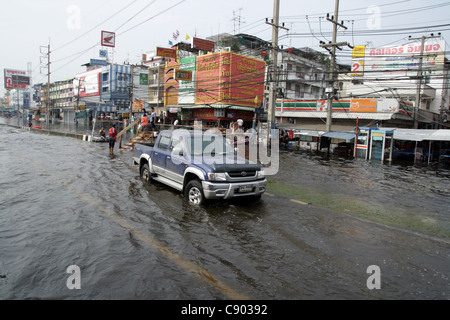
{"x":242,"y":174}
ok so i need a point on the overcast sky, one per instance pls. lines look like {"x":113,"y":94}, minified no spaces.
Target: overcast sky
{"x":73,"y":27}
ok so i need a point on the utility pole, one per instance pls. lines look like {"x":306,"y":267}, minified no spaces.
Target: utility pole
{"x":333,"y":75}
{"x":47,"y":66}
{"x":48,"y":83}
{"x":419,"y":79}
{"x":273,"y":70}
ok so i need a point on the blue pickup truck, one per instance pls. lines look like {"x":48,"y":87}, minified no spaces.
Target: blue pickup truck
{"x":201,"y":165}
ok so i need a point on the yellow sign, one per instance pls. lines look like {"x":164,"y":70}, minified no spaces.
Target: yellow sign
{"x":359,"y":52}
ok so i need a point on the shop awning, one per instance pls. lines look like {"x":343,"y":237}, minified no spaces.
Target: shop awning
{"x":439,"y":135}
{"x":413,"y":134}
{"x":311,"y":133}
{"x":340,"y":135}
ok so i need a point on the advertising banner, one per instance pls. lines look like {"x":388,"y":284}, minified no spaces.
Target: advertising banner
{"x":204,"y":45}
{"x":363,"y":105}
{"x":16,"y":79}
{"x":168,"y":53}
{"x":247,"y":80}
{"x":208,"y":78}
{"x":229,"y":78}
{"x":187,"y":86}
{"x":87,"y":84}
{"x":400,"y":61}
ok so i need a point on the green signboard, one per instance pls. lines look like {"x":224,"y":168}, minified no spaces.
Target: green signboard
{"x":143,"y":79}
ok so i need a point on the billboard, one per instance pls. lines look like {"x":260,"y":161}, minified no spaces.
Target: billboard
{"x":87,"y":84}
{"x":399,"y":61}
{"x":16,"y":79}
{"x":168,"y":53}
{"x":187,"y":86}
{"x":229,"y":78}
{"x":204,"y":45}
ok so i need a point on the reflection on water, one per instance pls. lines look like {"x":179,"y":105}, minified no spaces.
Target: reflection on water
{"x":409,"y":186}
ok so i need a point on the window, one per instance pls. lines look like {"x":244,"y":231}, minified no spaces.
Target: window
{"x":164,"y":143}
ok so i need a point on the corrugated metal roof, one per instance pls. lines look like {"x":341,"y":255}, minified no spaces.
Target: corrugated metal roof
{"x":412,"y":134}
{"x":340,"y":135}
{"x":440,"y":135}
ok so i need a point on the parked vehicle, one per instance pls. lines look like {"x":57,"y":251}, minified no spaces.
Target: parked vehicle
{"x":445,"y":157}
{"x":201,"y":165}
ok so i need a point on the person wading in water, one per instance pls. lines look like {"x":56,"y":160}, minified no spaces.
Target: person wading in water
{"x":112,"y":139}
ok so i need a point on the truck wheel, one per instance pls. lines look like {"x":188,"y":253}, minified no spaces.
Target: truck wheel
{"x":145,"y":173}
{"x":194,"y":192}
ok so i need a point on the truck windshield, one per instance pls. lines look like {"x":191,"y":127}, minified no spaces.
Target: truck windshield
{"x":209,"y":145}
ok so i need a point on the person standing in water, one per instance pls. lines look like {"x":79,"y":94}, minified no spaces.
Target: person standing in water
{"x":112,"y":138}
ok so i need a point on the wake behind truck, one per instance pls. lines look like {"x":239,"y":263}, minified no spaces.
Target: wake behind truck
{"x":202,"y":165}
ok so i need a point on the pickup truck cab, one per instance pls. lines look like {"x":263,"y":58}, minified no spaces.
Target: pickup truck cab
{"x":201,"y":165}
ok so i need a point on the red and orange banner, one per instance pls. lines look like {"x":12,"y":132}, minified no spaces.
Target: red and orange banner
{"x":165,"y":52}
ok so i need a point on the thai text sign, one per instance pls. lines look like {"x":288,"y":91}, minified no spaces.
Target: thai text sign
{"x":204,"y":45}
{"x":228,"y":78}
{"x":168,"y":53}
{"x":183,"y":75}
{"x":403,"y":60}
{"x":363,"y":105}
{"x":16,"y":79}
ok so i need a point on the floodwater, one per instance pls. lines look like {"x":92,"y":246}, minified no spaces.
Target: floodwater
{"x":66,"y":202}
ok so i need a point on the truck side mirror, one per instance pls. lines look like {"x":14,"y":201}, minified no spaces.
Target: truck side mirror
{"x":177,"y":151}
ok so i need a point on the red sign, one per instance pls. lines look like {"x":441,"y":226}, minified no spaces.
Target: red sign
{"x":108,"y":39}
{"x":229,"y":78}
{"x":168,"y":53}
{"x":16,"y":79}
{"x":204,"y":45}
{"x":207,"y":79}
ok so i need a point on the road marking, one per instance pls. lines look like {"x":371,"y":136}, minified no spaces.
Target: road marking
{"x":298,"y":201}
{"x":181,"y":261}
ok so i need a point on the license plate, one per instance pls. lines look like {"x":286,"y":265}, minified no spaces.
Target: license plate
{"x":245,"y":188}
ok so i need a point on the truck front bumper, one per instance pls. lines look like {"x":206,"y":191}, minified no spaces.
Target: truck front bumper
{"x":228,"y":190}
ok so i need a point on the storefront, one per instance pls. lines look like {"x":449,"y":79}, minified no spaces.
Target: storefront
{"x":220,"y":116}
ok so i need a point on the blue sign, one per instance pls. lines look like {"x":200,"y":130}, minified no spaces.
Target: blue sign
{"x":96,"y":62}
{"x":103,"y":53}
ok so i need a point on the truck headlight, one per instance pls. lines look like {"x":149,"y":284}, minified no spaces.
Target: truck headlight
{"x":261,"y":174}
{"x":212,"y":176}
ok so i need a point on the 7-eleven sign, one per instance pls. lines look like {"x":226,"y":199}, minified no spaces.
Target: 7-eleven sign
{"x":108,"y":39}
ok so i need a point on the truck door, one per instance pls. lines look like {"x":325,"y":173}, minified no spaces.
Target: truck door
{"x":176,"y":162}
{"x":161,"y":151}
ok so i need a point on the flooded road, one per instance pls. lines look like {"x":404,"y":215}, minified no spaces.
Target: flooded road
{"x":322,"y":224}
